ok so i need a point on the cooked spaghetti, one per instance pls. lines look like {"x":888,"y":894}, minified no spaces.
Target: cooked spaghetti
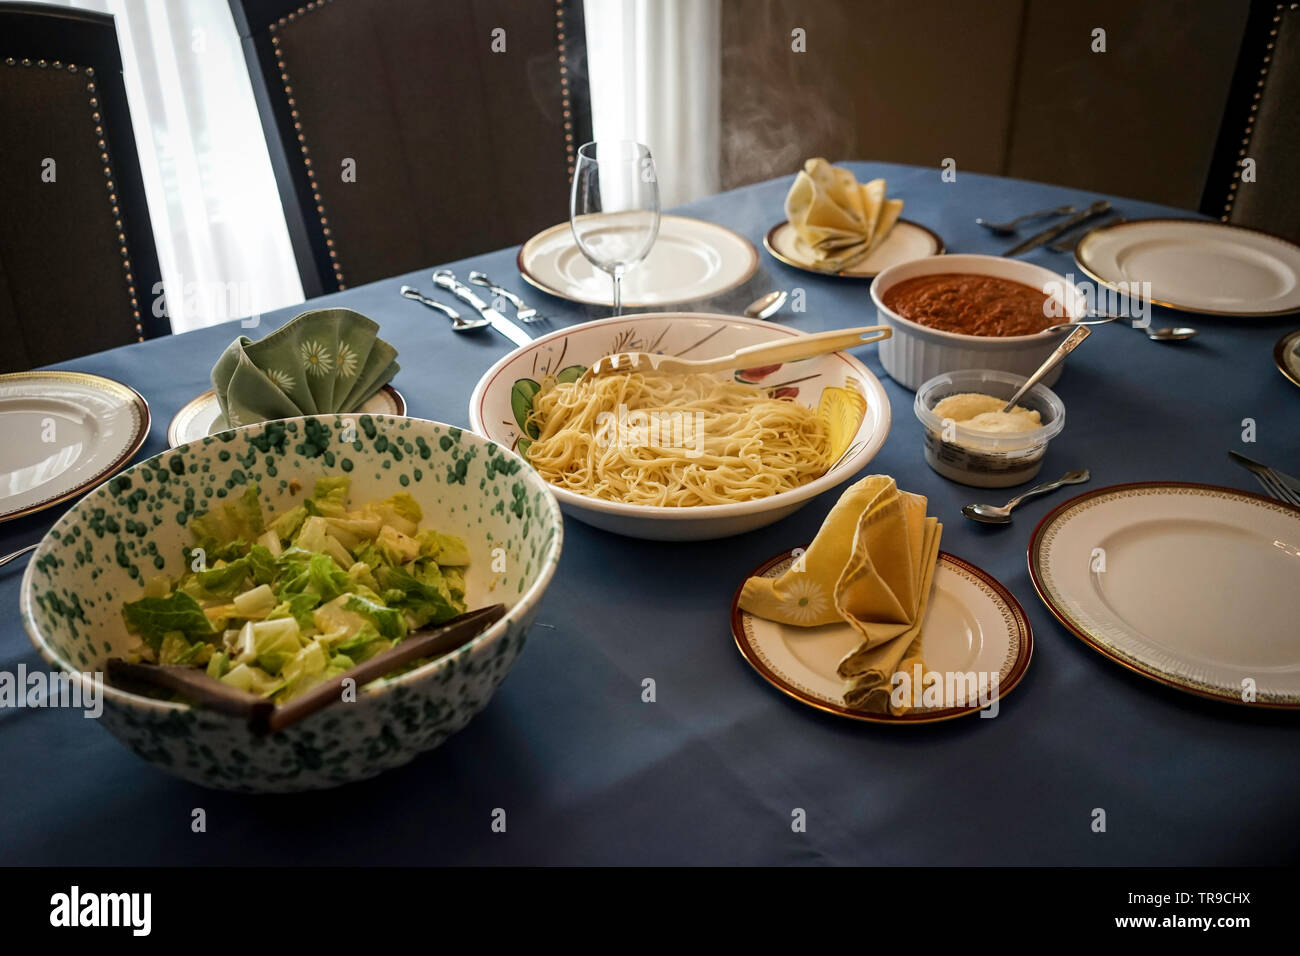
{"x":673,"y":440}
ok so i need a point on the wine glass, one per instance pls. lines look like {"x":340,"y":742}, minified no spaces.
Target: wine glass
{"x":614,"y":207}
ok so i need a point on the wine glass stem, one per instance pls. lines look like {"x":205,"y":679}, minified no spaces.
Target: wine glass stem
{"x":618,"y":292}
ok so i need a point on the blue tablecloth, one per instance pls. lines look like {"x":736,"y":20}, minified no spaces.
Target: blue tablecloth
{"x":712,"y":771}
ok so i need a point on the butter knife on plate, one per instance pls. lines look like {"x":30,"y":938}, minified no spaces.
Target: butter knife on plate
{"x":1100,"y":207}
{"x":446,"y":279}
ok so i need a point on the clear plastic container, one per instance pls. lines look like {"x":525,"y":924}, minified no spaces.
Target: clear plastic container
{"x":984,"y":459}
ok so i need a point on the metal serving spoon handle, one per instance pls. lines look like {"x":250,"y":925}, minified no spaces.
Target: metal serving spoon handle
{"x":18,"y":554}
{"x":1058,"y":355}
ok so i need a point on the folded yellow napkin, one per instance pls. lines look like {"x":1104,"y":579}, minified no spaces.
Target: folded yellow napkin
{"x":870,"y":565}
{"x":840,"y":219}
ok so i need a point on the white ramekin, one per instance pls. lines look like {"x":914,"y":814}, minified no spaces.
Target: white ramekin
{"x":916,"y":353}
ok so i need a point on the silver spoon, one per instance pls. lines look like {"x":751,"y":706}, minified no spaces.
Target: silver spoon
{"x":458,"y":322}
{"x":1178,"y":333}
{"x":1008,"y":228}
{"x":1072,"y":342}
{"x":1001,"y":514}
{"x":18,"y":554}
{"x":766,"y":306}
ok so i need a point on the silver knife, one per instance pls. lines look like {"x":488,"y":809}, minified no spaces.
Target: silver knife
{"x":446,"y":279}
{"x":1052,"y":232}
{"x":1071,"y":239}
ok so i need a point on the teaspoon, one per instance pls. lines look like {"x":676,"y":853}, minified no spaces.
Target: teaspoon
{"x":458,"y":322}
{"x":1179,"y":333}
{"x":1001,"y":514}
{"x":766,"y":306}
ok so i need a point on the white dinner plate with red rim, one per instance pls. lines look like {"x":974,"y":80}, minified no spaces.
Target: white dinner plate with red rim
{"x":1195,"y":586}
{"x":64,"y":433}
{"x":690,"y":261}
{"x":972,"y":624}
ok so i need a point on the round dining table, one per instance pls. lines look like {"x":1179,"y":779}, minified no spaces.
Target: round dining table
{"x":716,"y":766}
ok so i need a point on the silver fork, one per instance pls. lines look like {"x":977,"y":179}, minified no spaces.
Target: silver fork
{"x":1268,"y":479}
{"x":523,"y":311}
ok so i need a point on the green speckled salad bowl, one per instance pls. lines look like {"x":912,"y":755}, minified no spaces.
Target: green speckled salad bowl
{"x":134,"y":526}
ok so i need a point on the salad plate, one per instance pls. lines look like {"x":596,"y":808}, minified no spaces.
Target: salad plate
{"x":973,"y":625}
{"x":1193,"y":586}
{"x":908,"y":240}
{"x":64,"y":432}
{"x":691,"y":260}
{"x":202,"y":416}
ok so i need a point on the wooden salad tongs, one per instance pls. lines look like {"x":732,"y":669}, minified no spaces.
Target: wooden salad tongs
{"x":768,"y":353}
{"x":264,"y":716}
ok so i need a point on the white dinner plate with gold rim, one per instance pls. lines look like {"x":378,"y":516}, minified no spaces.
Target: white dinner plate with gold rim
{"x":972,"y":625}
{"x":64,"y":433}
{"x":906,"y":241}
{"x":1195,"y":586}
{"x":1196,"y":265}
{"x":202,"y":416}
{"x":691,"y":260}
{"x":1286,"y":355}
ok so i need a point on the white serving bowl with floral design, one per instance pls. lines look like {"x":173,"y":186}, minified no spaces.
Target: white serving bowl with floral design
{"x":503,"y":397}
{"x":133,"y":526}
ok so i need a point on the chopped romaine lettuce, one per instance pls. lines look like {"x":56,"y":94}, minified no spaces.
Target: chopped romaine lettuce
{"x":388,"y":621}
{"x":240,"y":519}
{"x":153,"y":617}
{"x":274,"y":605}
{"x":329,"y":497}
{"x":287,"y":524}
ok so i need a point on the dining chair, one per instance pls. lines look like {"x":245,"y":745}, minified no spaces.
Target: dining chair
{"x":405,"y":133}
{"x":1252,"y":178}
{"x":78,"y":267}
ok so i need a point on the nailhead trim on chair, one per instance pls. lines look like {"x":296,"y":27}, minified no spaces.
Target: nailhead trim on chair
{"x":302,"y":139}
{"x":1254,"y":108}
{"x":566,"y":105}
{"x":570,"y":150}
{"x":108,"y":175}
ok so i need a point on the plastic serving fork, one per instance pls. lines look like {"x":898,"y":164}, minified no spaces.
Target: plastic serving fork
{"x":769,"y":353}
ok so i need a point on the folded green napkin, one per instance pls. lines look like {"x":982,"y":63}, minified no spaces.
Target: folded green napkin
{"x":323,"y":361}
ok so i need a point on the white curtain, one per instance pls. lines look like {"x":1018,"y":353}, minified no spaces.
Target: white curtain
{"x":222,"y":241}
{"x":655,"y":69}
